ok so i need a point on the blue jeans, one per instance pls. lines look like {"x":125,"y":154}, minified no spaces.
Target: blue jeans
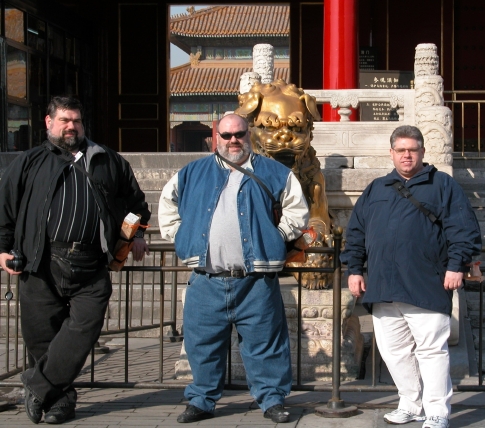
{"x":255,"y":306}
{"x":62,"y":313}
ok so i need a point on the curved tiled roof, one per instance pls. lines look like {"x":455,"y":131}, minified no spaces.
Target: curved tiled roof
{"x":233,"y":21}
{"x":186,"y":80}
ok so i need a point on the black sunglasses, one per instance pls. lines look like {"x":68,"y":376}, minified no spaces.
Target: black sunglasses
{"x":228,"y":135}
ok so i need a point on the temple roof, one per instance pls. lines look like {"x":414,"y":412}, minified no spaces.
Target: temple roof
{"x":233,"y":21}
{"x":210,"y":78}
{"x":225,"y":26}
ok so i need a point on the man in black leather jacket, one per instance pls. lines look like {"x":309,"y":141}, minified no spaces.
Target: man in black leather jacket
{"x":64,"y":220}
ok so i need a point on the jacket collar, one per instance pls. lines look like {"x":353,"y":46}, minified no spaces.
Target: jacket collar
{"x":91,"y":148}
{"x":421,"y":176}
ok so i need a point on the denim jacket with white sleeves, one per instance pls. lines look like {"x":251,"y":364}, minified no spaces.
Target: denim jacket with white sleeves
{"x":189,"y":199}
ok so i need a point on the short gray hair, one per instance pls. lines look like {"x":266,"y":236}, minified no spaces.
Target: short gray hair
{"x":407,"y":131}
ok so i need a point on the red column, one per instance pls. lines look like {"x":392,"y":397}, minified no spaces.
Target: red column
{"x":340,"y":50}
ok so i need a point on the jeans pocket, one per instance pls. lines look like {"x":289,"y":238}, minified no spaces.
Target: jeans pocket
{"x":194,"y":276}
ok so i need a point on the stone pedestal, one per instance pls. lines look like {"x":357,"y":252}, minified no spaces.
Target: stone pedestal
{"x":316,"y":336}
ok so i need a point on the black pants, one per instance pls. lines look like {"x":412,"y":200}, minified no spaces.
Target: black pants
{"x":62,"y":313}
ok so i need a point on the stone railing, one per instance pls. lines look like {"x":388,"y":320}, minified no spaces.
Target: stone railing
{"x":346,"y":138}
{"x":422,"y":107}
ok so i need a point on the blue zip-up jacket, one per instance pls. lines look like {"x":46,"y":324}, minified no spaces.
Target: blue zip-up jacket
{"x":197,"y":189}
{"x":407,"y":255}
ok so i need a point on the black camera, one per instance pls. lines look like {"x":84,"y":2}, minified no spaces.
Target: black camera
{"x":17,"y":263}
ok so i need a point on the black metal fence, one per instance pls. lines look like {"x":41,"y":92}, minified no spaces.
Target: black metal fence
{"x":153,"y":279}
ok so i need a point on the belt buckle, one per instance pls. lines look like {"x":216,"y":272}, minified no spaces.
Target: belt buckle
{"x":237,"y":273}
{"x":76,"y":246}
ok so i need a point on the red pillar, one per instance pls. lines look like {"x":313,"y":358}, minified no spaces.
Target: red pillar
{"x":340,"y":50}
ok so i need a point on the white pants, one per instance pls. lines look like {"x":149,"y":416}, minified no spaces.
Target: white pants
{"x":413,"y":343}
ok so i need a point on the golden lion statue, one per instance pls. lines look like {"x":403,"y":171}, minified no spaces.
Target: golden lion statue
{"x":281,"y":117}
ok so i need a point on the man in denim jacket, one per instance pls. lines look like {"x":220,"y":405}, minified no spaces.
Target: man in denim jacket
{"x":222,"y":223}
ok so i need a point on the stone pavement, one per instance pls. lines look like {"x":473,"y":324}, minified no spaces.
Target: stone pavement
{"x":143,"y":408}
{"x":125,"y":407}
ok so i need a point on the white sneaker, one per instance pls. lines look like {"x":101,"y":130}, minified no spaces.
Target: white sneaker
{"x":436,"y":422}
{"x":400,"y":416}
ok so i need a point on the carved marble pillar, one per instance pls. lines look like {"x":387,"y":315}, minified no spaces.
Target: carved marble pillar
{"x":263,"y":61}
{"x":247,"y":80}
{"x":432,"y":118}
{"x":435,"y":123}
{"x":426,"y":60}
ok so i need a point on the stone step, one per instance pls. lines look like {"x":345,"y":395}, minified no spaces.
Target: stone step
{"x":482,"y":228}
{"x":475,"y":200}
{"x":117,"y":340}
{"x":475,"y":319}
{"x":137,"y":292}
{"x":113,"y":325}
{"x":480,"y":213}
{"x":471,"y":185}
{"x":152,"y":196}
{"x":468,"y":162}
{"x":161,"y":160}
{"x":153,"y":180}
{"x":138,"y":311}
{"x":476,"y":336}
{"x":469,"y":173}
{"x":473,"y":300}
{"x":352,"y":180}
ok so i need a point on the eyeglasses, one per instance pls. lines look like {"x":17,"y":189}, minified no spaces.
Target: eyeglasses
{"x":411,"y":151}
{"x":228,"y":135}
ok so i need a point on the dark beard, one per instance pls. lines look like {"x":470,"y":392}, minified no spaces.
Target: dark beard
{"x":70,"y":143}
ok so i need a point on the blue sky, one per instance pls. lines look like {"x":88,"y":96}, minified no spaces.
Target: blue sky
{"x":178,"y":56}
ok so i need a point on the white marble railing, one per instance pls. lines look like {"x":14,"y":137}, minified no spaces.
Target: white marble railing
{"x":349,"y":138}
{"x":400,"y":99}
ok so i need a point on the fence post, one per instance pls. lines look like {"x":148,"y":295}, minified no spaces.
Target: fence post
{"x":336,"y":407}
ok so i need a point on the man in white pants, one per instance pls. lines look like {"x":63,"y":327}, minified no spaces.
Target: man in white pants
{"x":417,"y":233}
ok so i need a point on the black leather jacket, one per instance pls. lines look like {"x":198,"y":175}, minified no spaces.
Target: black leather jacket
{"x":28,"y":184}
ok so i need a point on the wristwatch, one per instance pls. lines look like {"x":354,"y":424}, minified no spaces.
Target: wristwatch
{"x":140,"y":233}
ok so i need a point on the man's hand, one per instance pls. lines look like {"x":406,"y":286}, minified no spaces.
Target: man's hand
{"x":140,"y":247}
{"x":453,"y":280}
{"x":3,"y":262}
{"x":356,"y":285}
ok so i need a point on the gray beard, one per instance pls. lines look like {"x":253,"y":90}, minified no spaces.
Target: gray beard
{"x":70,"y":143}
{"x":224,"y":152}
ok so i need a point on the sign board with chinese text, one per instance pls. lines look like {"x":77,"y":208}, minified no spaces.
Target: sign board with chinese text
{"x":382,"y":79}
{"x":367,"y":58}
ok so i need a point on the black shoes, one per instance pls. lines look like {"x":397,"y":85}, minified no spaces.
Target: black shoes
{"x":33,"y":407}
{"x":193,"y":414}
{"x":277,"y":414}
{"x":59,"y":415}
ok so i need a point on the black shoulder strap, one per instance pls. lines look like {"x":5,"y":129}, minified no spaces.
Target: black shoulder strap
{"x":97,"y":187}
{"x":69,"y":158}
{"x":245,"y":171}
{"x":276,"y":204}
{"x":405,"y":193}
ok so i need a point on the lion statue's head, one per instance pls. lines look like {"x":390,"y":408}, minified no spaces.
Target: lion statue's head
{"x":281,"y":119}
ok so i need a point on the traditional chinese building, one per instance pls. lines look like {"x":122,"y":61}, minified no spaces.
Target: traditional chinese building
{"x":115,"y":55}
{"x":220,"y":52}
